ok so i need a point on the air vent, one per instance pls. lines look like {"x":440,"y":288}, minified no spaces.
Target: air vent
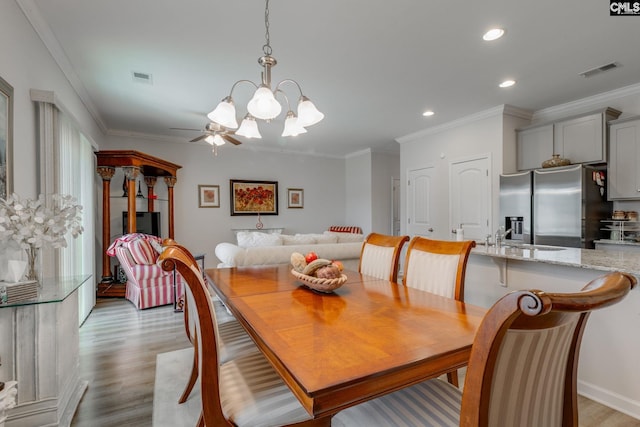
{"x":142,"y":77}
{"x":600,"y":69}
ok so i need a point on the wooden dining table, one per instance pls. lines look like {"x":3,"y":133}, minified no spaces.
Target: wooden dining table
{"x":365,"y":339}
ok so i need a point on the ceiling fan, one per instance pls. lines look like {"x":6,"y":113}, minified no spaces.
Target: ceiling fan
{"x":214,"y":134}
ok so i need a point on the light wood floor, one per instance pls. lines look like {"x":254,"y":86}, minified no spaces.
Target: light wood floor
{"x":118,"y":348}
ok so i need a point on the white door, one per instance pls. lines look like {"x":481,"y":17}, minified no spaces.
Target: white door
{"x":420,"y":202}
{"x":470,"y":197}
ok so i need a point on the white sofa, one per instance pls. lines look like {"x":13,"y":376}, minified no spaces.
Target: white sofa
{"x":255,"y":248}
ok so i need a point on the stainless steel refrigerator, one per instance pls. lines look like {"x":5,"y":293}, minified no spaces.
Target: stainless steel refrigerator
{"x":566,"y":206}
{"x":516,"y":191}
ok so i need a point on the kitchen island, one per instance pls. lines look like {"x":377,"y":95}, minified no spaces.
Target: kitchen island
{"x":608,"y":369}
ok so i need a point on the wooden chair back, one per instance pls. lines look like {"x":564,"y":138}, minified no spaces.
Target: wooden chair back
{"x":380,"y":255}
{"x":524,"y":361}
{"x":200,"y":307}
{"x":437,"y":266}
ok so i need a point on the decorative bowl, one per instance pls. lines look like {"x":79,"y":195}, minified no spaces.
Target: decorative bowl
{"x":320,"y":284}
{"x":555,"y":161}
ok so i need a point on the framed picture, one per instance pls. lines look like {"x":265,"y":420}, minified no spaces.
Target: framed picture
{"x":6,"y":139}
{"x":208,"y":196}
{"x":254,"y":197}
{"x":295,"y":198}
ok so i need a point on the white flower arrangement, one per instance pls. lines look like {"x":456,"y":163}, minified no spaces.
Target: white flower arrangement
{"x":33,"y":224}
{"x":36,"y":224}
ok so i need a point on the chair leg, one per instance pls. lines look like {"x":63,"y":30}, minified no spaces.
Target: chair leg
{"x":200,"y":422}
{"x":194,"y":375}
{"x":452,"y":377}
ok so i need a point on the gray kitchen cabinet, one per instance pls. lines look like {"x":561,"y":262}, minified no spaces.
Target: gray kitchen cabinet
{"x":583,"y":139}
{"x":533,"y":146}
{"x":624,"y":159}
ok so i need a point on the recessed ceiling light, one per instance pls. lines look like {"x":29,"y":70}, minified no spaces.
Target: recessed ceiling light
{"x":428,"y":113}
{"x":493,"y":34}
{"x":507,"y":83}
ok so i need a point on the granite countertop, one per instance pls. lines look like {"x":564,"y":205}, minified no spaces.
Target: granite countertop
{"x":594,"y":259}
{"x":618,"y":242}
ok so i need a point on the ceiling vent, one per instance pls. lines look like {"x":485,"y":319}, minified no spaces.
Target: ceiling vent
{"x":600,"y":69}
{"x":142,"y":77}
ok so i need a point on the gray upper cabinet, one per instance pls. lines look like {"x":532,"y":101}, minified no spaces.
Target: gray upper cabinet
{"x":534,"y":146}
{"x":624,"y":159}
{"x":581,"y":139}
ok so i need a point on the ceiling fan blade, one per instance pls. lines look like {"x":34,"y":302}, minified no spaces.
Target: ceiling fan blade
{"x":195,"y":130}
{"x":201,"y":137}
{"x":231,"y":140}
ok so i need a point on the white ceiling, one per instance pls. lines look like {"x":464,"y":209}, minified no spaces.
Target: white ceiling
{"x":371,"y":66}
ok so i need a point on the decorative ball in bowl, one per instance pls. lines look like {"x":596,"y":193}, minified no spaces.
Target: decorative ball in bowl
{"x":317,"y":273}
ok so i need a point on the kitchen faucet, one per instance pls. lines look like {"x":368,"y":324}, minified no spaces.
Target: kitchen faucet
{"x":500,"y":235}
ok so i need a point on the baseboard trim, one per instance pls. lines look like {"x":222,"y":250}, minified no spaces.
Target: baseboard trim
{"x":608,"y":398}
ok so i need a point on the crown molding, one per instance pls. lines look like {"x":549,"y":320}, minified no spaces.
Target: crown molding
{"x":588,"y":103}
{"x":481,"y":115}
{"x":33,"y":15}
{"x":245,"y":146}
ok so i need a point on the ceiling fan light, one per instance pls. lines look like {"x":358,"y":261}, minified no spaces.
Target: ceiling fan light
{"x":249,"y":127}
{"x":218,"y":140}
{"x":308,"y":114}
{"x":209,"y":139}
{"x":264,"y":105}
{"x":224,"y":114}
{"x":291,"y":125}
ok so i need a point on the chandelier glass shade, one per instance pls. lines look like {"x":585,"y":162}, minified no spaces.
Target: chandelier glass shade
{"x":249,"y":127}
{"x":264,"y":105}
{"x":292,"y":125}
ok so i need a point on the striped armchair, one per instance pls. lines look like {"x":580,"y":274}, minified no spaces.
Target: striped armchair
{"x":148,"y":285}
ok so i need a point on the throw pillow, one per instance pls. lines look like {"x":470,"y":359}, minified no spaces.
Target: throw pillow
{"x":322,"y":239}
{"x":298,"y":239}
{"x":142,"y":252}
{"x":247,"y":239}
{"x":346,"y":237}
{"x":157,"y":246}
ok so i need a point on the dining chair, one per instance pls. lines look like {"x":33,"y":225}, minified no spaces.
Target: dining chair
{"x":233,"y":341}
{"x":244,"y":391}
{"x":438,"y":266}
{"x":380,"y":254}
{"x":522,"y":369}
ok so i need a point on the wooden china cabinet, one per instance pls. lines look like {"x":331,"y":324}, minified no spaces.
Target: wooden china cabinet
{"x":134,"y":164}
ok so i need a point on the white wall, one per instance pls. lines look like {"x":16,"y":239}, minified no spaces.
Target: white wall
{"x":358,"y":191}
{"x":477,"y":135}
{"x":369,"y":190}
{"x":385,"y":167}
{"x":200,"y":229}
{"x":26,"y":64}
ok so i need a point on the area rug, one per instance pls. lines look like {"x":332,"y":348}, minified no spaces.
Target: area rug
{"x":172,"y":373}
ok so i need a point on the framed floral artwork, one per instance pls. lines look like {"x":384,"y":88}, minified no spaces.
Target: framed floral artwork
{"x":208,"y":196}
{"x":254,"y":197}
{"x":295,"y":198}
{"x":6,"y":138}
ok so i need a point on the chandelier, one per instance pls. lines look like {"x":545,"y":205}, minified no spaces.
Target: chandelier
{"x":264,"y":105}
